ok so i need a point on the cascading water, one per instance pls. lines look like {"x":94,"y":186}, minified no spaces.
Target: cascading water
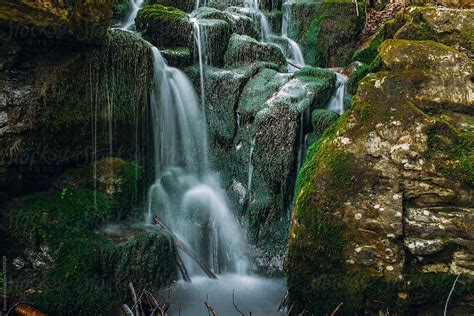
{"x":336,"y":103}
{"x":200,"y":43}
{"x":186,"y":194}
{"x":295,"y":50}
{"x":129,"y":21}
{"x":254,"y":5}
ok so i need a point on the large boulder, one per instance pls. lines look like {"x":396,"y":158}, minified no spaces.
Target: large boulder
{"x":239,"y":23}
{"x":243,"y":49}
{"x":458,"y":4}
{"x":383,"y":207}
{"x":164,"y":26}
{"x":452,"y":27}
{"x":60,"y":107}
{"x":83,"y":21}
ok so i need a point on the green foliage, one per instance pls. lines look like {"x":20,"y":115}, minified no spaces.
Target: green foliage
{"x":119,"y":10}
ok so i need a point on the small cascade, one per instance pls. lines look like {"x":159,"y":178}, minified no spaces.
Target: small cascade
{"x":254,"y":5}
{"x":201,"y":3}
{"x":336,"y":103}
{"x":186,"y":195}
{"x":129,"y":21}
{"x":200,"y":43}
{"x":296,"y":55}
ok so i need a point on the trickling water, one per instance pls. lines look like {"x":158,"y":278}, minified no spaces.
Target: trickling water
{"x":295,"y":50}
{"x":186,"y":194}
{"x":201,"y":3}
{"x":250,"y":169}
{"x":200,"y":42}
{"x":254,"y":5}
{"x":336,"y":103}
{"x":129,"y":21}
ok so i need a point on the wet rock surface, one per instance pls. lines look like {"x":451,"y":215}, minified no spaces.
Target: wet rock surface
{"x":381,"y":190}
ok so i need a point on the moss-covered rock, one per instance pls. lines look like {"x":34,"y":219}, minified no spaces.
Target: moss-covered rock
{"x":61,"y":106}
{"x":333,"y":34}
{"x":243,"y":49}
{"x":215,"y":35}
{"x":179,"y":57}
{"x":448,"y":26}
{"x":322,"y":119}
{"x":239,"y":23}
{"x":83,"y":21}
{"x":184,"y":5}
{"x":164,"y":26}
{"x":458,"y":4}
{"x":145,"y":257}
{"x":375,"y":188}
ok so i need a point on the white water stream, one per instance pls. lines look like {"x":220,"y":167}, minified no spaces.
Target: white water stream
{"x":336,"y":103}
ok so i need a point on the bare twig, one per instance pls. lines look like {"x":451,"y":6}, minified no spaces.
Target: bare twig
{"x":284,"y":302}
{"x":181,"y":245}
{"x":134,"y":298}
{"x":235,"y":305}
{"x":449,"y":296}
{"x":182,"y":268}
{"x":291,"y":308}
{"x":210,"y":309}
{"x":293,"y":64}
{"x":337,"y":309}
{"x":127,"y":310}
{"x":357,"y":6}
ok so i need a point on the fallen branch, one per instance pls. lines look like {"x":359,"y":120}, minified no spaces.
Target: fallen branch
{"x":293,"y":64}
{"x":449,"y":296}
{"x":235,"y":305}
{"x":24,"y":309}
{"x":336,"y":309}
{"x":181,"y":245}
{"x":127,"y":310}
{"x":283,"y":303}
{"x":182,"y":268}
{"x":134,"y":298}
{"x":210,"y":309}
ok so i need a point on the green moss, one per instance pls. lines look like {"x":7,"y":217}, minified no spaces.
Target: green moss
{"x":321,"y":120}
{"x":367,"y":54}
{"x":452,"y":151}
{"x":164,"y":26}
{"x":184,"y":5}
{"x":119,"y":10}
{"x":331,"y":37}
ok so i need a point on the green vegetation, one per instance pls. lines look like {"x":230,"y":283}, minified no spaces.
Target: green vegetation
{"x":164,"y":26}
{"x":332,"y":36}
{"x":119,"y":10}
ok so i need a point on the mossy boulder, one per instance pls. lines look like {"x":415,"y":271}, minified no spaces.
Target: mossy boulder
{"x":184,"y":5}
{"x":322,"y":119}
{"x":215,"y":35}
{"x":53,"y":101}
{"x":67,"y":266}
{"x":334,"y":33}
{"x":243,"y":49}
{"x":239,"y":23}
{"x":164,"y":26}
{"x":145,"y":257}
{"x":448,"y":26}
{"x":82,"y":21}
{"x":376,"y":187}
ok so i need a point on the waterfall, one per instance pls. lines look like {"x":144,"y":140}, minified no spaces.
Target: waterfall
{"x":295,"y":50}
{"x":186,"y":195}
{"x":336,"y":103}
{"x":250,"y":170}
{"x":254,"y":5}
{"x":200,"y":43}
{"x":129,"y":21}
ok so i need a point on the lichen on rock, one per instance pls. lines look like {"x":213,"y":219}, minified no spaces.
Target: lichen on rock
{"x":366,"y":198}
